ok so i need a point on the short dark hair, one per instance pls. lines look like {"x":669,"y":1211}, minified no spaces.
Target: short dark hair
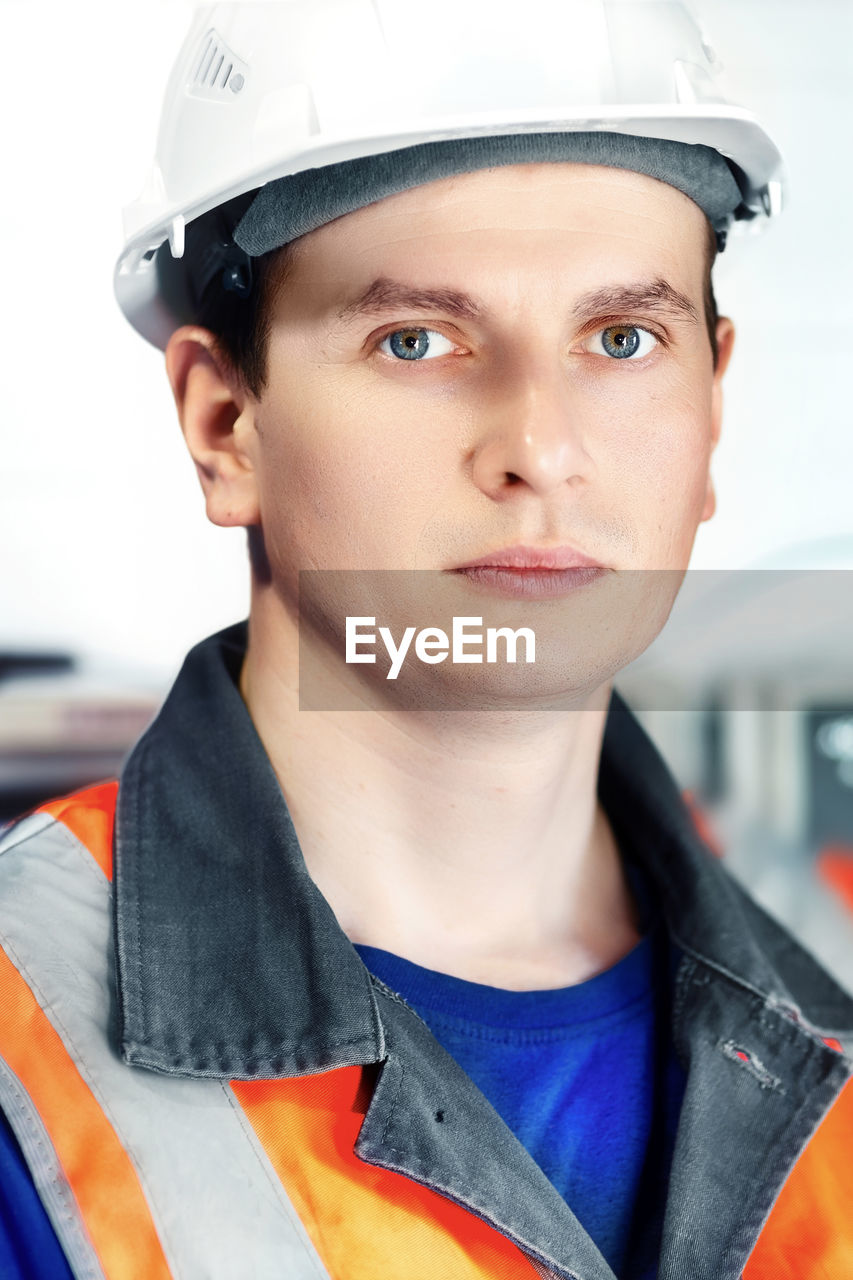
{"x":241,"y":324}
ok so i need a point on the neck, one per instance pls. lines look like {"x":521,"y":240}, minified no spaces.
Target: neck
{"x":474,"y":845}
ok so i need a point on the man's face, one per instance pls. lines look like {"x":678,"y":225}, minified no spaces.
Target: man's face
{"x":447,"y":377}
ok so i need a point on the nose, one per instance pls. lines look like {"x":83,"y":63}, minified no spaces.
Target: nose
{"x":533,"y":437}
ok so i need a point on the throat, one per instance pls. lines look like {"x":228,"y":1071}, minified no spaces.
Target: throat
{"x":528,"y":923}
{"x":485,"y":856}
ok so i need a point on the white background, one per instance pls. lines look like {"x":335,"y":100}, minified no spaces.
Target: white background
{"x":104,"y":547}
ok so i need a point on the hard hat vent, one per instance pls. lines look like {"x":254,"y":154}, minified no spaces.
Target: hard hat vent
{"x":215,"y":70}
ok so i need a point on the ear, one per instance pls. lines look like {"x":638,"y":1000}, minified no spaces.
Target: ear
{"x":725,"y":342}
{"x":216,"y":419}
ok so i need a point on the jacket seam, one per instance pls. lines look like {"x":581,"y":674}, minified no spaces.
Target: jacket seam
{"x":770,"y":1003}
{"x":266,"y":1068}
{"x":766,"y":997}
{"x":393,"y":1106}
{"x":478,"y":1212}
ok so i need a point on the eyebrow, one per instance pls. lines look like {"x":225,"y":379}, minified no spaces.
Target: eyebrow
{"x":654,"y":295}
{"x":384,"y":295}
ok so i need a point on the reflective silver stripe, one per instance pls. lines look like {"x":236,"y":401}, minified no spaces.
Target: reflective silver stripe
{"x":218,"y":1207}
{"x":48,"y":1175}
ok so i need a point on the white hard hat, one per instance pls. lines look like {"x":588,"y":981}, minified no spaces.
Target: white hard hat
{"x":267,"y":89}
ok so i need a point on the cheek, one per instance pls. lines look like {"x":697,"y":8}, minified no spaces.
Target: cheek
{"x":346,"y":479}
{"x":656,"y":451}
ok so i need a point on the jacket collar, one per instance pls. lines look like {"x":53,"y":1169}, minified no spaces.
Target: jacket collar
{"x":231,"y":963}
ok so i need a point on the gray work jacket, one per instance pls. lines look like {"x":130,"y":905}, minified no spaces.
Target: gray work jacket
{"x":231,"y":963}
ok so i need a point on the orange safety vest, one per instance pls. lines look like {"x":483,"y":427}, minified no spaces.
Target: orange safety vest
{"x":146,"y":1176}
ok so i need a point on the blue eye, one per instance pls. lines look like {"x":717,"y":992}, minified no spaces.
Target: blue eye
{"x":622,"y":341}
{"x":415,"y":344}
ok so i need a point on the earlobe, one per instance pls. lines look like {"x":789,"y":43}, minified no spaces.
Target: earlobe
{"x":211,"y":409}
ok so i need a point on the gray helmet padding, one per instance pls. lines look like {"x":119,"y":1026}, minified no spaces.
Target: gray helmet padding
{"x":292,"y":206}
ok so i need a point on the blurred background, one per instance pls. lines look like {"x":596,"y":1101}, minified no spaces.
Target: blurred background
{"x":109,"y":570}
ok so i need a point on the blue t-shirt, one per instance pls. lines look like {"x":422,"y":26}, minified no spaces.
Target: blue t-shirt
{"x":584,"y":1076}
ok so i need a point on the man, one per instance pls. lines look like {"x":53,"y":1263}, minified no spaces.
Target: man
{"x":420,"y":968}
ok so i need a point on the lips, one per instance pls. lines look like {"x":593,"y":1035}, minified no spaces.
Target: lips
{"x":531,"y":573}
{"x":522,"y":558}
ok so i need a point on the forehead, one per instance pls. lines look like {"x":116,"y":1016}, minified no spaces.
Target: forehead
{"x":520,"y":219}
